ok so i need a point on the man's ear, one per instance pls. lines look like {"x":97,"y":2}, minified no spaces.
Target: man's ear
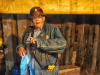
{"x":44,"y":18}
{"x":31,"y":20}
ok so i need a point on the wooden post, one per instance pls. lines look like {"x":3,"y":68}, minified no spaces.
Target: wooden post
{"x":72,"y":43}
{"x":95,"y":47}
{"x":68,"y":38}
{"x":85,"y":50}
{"x":99,"y":51}
{"x":64,"y":33}
{"x":89,"y":51}
{"x":80,"y":45}
{"x":69,"y":35}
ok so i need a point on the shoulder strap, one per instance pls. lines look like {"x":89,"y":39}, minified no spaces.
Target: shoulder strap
{"x":33,"y":54}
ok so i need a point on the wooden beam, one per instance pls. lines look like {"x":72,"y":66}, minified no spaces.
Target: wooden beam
{"x":72,"y":61}
{"x":98,"y":53}
{"x":95,"y":47}
{"x":89,"y":51}
{"x":68,"y":38}
{"x":51,"y":6}
{"x":69,"y":35}
{"x":69,"y":70}
{"x":85,"y":50}
{"x":80,"y":45}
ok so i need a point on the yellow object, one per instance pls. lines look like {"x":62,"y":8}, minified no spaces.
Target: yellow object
{"x":50,"y":68}
{"x":1,"y":42}
{"x":41,"y":35}
{"x":51,"y":6}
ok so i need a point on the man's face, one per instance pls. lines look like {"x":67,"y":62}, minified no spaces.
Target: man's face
{"x":38,"y":21}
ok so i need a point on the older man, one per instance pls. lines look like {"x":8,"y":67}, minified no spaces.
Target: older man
{"x":46,"y":41}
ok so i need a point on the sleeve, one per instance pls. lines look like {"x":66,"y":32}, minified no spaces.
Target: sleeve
{"x":20,"y":45}
{"x":56,"y":45}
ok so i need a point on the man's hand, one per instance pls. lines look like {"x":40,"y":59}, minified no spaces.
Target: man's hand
{"x":33,"y":40}
{"x":21,"y":51}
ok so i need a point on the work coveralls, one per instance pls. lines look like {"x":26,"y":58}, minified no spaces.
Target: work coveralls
{"x":49,"y":43}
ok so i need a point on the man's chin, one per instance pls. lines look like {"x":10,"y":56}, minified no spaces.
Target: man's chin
{"x":37,"y":25}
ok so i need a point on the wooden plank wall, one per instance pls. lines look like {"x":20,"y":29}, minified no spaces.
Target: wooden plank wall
{"x":69,"y":29}
{"x":88,"y":45}
{"x":88,"y":51}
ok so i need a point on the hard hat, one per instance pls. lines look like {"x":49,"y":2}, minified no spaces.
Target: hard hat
{"x":15,"y":70}
{"x":36,"y":11}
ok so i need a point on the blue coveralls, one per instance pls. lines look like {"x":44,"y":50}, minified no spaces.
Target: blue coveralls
{"x":49,"y":41}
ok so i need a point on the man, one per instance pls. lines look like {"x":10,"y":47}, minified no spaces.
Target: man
{"x":46,"y":41}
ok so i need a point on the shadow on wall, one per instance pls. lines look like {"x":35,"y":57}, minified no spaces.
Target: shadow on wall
{"x":11,"y":56}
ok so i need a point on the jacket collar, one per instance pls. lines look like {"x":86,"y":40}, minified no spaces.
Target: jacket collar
{"x":44,"y":27}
